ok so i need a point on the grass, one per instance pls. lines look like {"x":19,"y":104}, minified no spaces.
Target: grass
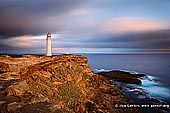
{"x":69,"y":93}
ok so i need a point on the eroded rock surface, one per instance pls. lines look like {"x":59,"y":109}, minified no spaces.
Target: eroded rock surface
{"x":57,"y":84}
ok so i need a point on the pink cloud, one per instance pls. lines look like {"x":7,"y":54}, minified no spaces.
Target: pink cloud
{"x":26,"y":41}
{"x":24,"y":38}
{"x":22,"y":44}
{"x":121,"y":25}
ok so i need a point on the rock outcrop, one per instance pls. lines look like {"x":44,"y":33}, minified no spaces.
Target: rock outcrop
{"x":123,"y":76}
{"x":4,"y":67}
{"x":57,"y":84}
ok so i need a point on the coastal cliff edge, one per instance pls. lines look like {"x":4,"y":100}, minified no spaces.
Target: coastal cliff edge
{"x":57,"y":84}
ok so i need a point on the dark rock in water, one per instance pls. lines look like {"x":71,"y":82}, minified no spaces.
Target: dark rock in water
{"x":60,"y":84}
{"x":122,"y":76}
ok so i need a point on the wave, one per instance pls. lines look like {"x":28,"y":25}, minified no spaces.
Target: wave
{"x":149,"y":89}
{"x":149,"y":85}
{"x":107,"y":70}
{"x":101,"y":70}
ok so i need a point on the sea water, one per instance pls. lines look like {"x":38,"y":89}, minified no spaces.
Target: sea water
{"x":156,"y":67}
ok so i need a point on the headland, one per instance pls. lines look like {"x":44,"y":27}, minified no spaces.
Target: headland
{"x":62,"y":83}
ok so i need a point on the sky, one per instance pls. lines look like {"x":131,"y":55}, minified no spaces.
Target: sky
{"x":85,"y":26}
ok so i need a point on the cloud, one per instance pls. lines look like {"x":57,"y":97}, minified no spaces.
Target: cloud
{"x":125,"y":25}
{"x":143,"y":40}
{"x":20,"y":17}
{"x":26,"y":42}
{"x":84,"y":24}
{"x":79,"y":12}
{"x":153,"y":40}
{"x":66,"y":50}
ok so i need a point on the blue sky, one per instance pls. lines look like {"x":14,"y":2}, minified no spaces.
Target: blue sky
{"x":85,"y":26}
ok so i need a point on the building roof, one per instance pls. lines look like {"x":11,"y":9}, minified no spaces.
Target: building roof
{"x":48,"y":33}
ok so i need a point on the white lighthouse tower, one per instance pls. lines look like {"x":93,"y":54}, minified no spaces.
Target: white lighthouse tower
{"x":48,"y":45}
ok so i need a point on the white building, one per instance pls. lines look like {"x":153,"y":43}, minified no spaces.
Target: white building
{"x":48,"y":45}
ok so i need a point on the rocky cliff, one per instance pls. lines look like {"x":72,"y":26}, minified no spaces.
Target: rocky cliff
{"x":57,"y":84}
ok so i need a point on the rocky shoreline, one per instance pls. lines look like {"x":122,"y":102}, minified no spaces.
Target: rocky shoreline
{"x":62,"y":83}
{"x":122,"y":76}
{"x":132,"y":85}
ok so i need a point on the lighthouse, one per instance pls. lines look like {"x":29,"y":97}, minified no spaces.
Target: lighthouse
{"x":48,"y":45}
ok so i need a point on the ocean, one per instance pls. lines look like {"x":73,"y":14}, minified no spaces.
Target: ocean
{"x":156,"y":67}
